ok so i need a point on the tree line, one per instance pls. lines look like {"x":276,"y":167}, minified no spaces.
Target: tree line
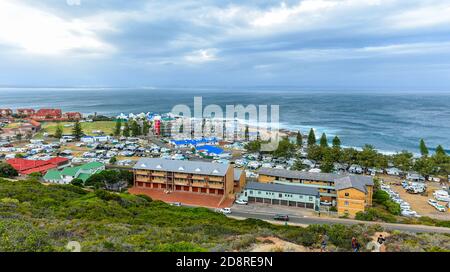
{"x":368,"y":157}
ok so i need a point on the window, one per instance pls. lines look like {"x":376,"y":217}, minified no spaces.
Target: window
{"x":259,"y":192}
{"x":310,"y":198}
{"x":251,"y":192}
{"x":346,"y":203}
{"x":280,"y":195}
{"x":347,"y":194}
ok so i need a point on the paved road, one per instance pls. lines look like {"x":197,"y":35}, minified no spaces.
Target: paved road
{"x":316,"y":220}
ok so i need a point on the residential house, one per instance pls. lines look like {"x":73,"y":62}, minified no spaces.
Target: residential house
{"x":72,"y":116}
{"x":6,"y":112}
{"x":26,"y":167}
{"x":83,"y":172}
{"x":48,"y":115}
{"x":26,"y":112}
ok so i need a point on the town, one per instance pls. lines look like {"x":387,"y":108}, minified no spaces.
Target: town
{"x":303,"y":177}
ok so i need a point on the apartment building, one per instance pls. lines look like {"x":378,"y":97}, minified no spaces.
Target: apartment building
{"x":184,"y":176}
{"x":349,"y":193}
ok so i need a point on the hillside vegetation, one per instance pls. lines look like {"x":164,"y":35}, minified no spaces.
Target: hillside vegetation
{"x":36,"y":217}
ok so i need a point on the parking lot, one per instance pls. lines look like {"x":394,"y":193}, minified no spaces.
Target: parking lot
{"x":419,"y":202}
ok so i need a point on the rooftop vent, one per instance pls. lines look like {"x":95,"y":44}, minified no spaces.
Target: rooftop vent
{"x":215,"y":171}
{"x":197,"y":170}
{"x":181,"y":168}
{"x":143,"y":165}
{"x":159,"y":166}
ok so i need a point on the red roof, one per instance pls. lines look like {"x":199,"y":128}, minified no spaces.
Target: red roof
{"x":49,"y":112}
{"x":25,"y":167}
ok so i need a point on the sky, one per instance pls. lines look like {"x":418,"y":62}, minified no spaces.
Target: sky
{"x":349,"y":44}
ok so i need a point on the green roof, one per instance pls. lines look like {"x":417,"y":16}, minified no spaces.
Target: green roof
{"x":70,"y":171}
{"x":84,"y":177}
{"x":92,"y":165}
{"x":53,"y":175}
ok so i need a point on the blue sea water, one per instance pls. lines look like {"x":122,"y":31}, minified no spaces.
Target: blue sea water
{"x":389,"y":121}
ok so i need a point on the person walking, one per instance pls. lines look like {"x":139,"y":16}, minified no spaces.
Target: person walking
{"x":355,"y":245}
{"x":323,"y":244}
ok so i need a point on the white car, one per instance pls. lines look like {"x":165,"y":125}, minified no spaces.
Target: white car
{"x":405,"y":206}
{"x":440,"y":208}
{"x":410,"y":213}
{"x":241,"y":202}
{"x":433,"y":202}
{"x":225,"y":210}
{"x":441,"y":195}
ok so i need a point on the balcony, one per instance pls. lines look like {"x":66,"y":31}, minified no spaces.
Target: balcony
{"x":216,"y":185}
{"x":181,"y":182}
{"x":142,"y":179}
{"x":142,"y":173}
{"x":219,"y":179}
{"x":159,"y":180}
{"x":196,"y":177}
{"x":159,"y":174}
{"x":198,"y":184}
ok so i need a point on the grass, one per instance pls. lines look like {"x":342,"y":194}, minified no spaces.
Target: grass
{"x":35,"y":217}
{"x":50,"y":127}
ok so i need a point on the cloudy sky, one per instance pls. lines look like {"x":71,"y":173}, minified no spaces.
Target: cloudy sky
{"x":393,"y":44}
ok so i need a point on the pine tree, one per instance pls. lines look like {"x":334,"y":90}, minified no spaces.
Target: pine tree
{"x":423,"y":148}
{"x":118,"y":128}
{"x":77,"y":131}
{"x":440,"y":151}
{"x":336,"y":142}
{"x":299,"y":139}
{"x":146,"y":128}
{"x":135,"y":129}
{"x":311,"y":138}
{"x":323,"y":140}
{"x":247,"y":133}
{"x":126,"y":130}
{"x":59,"y":132}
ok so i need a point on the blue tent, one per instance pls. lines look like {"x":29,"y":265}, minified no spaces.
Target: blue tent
{"x":210,"y":149}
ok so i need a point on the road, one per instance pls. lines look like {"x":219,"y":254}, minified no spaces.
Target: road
{"x":307,"y":220}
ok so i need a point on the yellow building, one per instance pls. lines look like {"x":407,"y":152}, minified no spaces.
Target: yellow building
{"x":349,"y":193}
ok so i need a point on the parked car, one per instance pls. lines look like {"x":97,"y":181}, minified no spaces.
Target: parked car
{"x":241,"y":202}
{"x":433,"y":202}
{"x":441,"y":195}
{"x":409,"y":213}
{"x":176,"y":204}
{"x":281,"y":217}
{"x":440,"y":208}
{"x":225,"y":210}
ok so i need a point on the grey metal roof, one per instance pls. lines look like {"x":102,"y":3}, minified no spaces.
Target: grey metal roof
{"x":341,"y":181}
{"x":179,"y":166}
{"x":282,"y":188}
{"x":237,"y":173}
{"x":352,"y":181}
{"x":298,"y":174}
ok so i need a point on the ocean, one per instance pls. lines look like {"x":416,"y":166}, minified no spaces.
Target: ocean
{"x":389,"y":121}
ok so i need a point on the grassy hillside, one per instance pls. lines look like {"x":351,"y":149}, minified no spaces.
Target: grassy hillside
{"x":35,"y":217}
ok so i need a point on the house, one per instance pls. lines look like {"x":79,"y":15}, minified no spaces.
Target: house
{"x":48,"y":115}
{"x":6,"y":112}
{"x":72,"y":116}
{"x":185,"y":176}
{"x":282,"y":194}
{"x":83,"y":172}
{"x":334,"y":188}
{"x":26,"y":112}
{"x":26,"y":167}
